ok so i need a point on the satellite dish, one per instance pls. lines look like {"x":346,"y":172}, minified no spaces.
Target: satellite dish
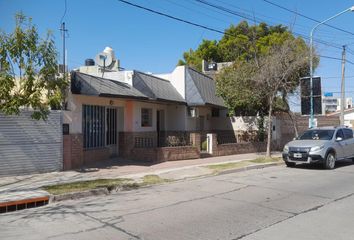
{"x":103,"y":59}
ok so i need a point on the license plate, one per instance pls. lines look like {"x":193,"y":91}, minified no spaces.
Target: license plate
{"x":297,"y":155}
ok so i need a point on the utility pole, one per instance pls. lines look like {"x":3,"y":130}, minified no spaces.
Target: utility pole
{"x":342,"y":102}
{"x":63,"y":31}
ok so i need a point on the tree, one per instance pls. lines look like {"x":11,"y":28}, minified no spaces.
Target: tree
{"x":207,"y":50}
{"x":239,"y":42}
{"x":28,"y":68}
{"x":278,"y":74}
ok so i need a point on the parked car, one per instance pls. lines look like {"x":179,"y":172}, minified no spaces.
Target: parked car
{"x":325,"y":145}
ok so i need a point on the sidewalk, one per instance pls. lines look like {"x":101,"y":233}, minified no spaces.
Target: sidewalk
{"x":20,"y":186}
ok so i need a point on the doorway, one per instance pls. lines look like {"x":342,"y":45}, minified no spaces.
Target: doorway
{"x":160,"y":127}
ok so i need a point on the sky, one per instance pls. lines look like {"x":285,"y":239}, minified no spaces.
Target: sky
{"x":153,"y":43}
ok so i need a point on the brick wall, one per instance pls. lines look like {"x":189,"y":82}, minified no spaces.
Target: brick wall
{"x":127,"y":141}
{"x":72,"y":151}
{"x":239,"y":148}
{"x":285,"y":129}
{"x":155,"y":155}
{"x":96,"y":155}
{"x":177,"y":153}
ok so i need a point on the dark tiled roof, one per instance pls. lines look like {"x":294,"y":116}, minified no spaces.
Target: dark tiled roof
{"x":201,"y":90}
{"x":156,"y":88}
{"x":95,"y":86}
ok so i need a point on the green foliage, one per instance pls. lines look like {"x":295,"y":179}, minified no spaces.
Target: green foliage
{"x":28,"y":68}
{"x":239,"y":42}
{"x":236,"y":87}
{"x":204,"y":145}
{"x":207,"y":50}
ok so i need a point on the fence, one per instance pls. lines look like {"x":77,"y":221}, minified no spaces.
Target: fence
{"x":30,"y":146}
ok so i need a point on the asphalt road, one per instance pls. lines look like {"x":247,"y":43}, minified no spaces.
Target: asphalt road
{"x":265,"y":204}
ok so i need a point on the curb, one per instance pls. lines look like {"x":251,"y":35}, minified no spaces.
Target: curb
{"x":105,"y":191}
{"x":78,"y":195}
{"x":251,"y":167}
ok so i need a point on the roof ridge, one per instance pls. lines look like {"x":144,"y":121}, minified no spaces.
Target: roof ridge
{"x":104,"y":79}
{"x":191,"y":68}
{"x":151,"y":75}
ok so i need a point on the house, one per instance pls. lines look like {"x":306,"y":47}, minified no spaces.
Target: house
{"x":132,"y":114}
{"x":348,"y":116}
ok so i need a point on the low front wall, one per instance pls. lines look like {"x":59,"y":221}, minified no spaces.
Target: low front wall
{"x":177,"y":153}
{"x":96,"y":155}
{"x":72,"y":151}
{"x":239,"y":148}
{"x":155,"y":155}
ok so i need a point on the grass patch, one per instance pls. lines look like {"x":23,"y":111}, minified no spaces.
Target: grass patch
{"x":265,"y":160}
{"x":153,"y":179}
{"x":225,"y":166}
{"x":110,"y":184}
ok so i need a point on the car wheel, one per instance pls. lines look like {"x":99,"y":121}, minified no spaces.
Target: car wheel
{"x":290,"y":164}
{"x":330,"y":161}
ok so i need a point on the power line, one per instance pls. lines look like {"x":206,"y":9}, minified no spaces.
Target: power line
{"x":309,"y":18}
{"x":258,"y":20}
{"x":213,"y":29}
{"x":333,"y":77}
{"x":172,"y":17}
{"x":334,"y":58}
{"x":61,"y":20}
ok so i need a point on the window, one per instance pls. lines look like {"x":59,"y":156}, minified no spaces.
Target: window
{"x":340,"y":134}
{"x":348,"y":133}
{"x":93,"y":126}
{"x":146,"y":117}
{"x":191,"y":112}
{"x":317,"y":135}
{"x":215,"y":112}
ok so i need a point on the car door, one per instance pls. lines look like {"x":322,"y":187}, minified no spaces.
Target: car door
{"x":340,"y":144}
{"x":348,"y":142}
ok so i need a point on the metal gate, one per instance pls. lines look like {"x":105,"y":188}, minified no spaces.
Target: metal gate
{"x":30,"y":146}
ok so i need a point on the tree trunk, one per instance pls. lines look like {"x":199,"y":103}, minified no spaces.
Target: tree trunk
{"x":293,"y":120}
{"x":269,"y":137}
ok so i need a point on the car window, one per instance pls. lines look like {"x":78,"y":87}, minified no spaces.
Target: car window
{"x":348,"y":133}
{"x":322,"y":134}
{"x":340,"y":134}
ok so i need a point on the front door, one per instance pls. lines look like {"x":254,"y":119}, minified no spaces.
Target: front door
{"x":111,"y":131}
{"x":160,"y":126}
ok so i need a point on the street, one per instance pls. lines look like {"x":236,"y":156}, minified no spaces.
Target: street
{"x":264,"y":204}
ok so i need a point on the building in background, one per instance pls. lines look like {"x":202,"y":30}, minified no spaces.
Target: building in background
{"x":212,"y":68}
{"x":332,"y":104}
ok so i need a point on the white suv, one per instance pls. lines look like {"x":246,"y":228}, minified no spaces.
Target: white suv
{"x":326,"y":145}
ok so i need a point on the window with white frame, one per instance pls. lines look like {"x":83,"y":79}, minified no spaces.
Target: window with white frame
{"x":146,"y":117}
{"x":191,"y":112}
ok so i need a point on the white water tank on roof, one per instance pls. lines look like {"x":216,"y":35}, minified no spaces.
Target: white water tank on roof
{"x":110,"y":51}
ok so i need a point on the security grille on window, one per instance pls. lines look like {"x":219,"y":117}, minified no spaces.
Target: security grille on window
{"x":146,"y":117}
{"x":215,"y":112}
{"x":93,"y":124}
{"x":111,"y":137}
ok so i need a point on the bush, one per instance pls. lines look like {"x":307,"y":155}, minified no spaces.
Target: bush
{"x":204,"y":145}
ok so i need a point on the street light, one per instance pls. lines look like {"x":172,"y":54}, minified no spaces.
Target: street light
{"x":351,"y":9}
